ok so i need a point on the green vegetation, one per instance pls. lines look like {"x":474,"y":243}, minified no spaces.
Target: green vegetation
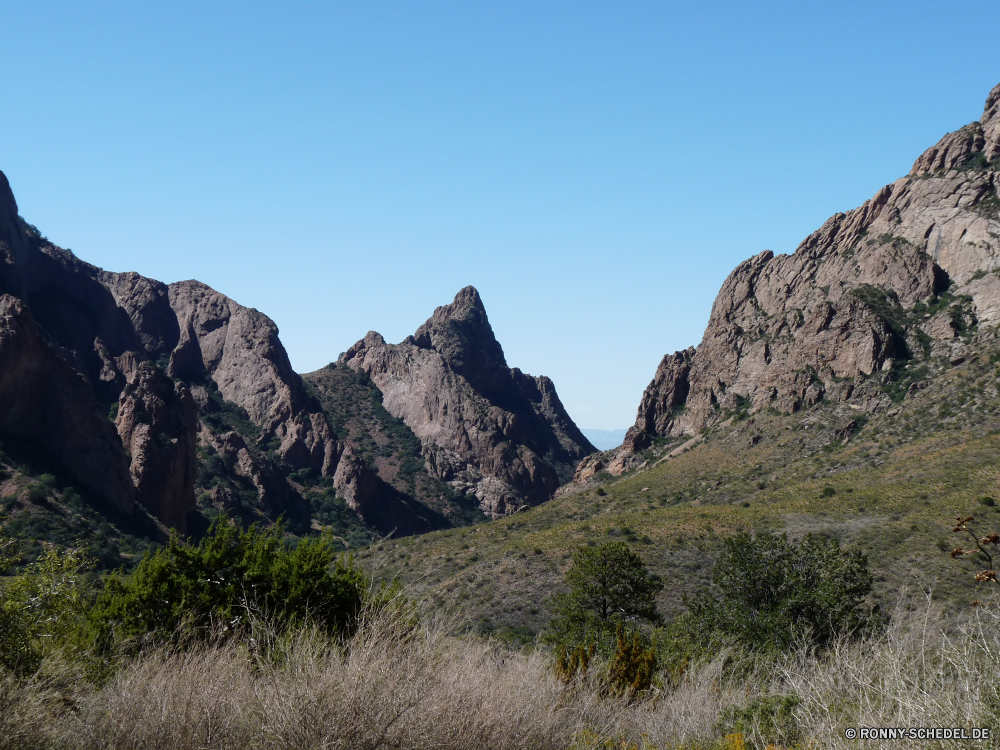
{"x":354,"y":410}
{"x":223,"y":416}
{"x":42,"y":606}
{"x":900,"y":473}
{"x":775,"y":595}
{"x":231,"y":577}
{"x":609,"y":587}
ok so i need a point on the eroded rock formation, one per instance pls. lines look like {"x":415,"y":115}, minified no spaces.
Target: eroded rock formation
{"x":156,"y":420}
{"x":44,"y":400}
{"x":106,"y":325}
{"x":239,"y":348}
{"x":485,"y":428}
{"x":786,"y":331}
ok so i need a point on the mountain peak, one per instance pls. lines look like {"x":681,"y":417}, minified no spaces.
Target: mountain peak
{"x":8,"y":206}
{"x":466,"y":305}
{"x":957,"y":148}
{"x":461,"y":333}
{"x":857,"y":315}
{"x":990,"y":122}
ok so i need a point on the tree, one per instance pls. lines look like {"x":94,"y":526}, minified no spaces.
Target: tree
{"x":774,"y":594}
{"x":232,"y":573}
{"x":42,"y":606}
{"x":609,"y":586}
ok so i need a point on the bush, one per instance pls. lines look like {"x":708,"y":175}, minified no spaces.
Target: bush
{"x":609,"y":586}
{"x":632,"y":667}
{"x":42,"y":606}
{"x":771,"y":717}
{"x":229,"y":576}
{"x":775,"y":594}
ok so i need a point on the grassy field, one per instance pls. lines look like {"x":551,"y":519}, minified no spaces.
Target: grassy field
{"x":890,"y":484}
{"x":394,"y":686}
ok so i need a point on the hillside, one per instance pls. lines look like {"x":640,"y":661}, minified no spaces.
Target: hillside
{"x":138,"y":407}
{"x":891,"y":484}
{"x":861,"y":303}
{"x":850,"y":389}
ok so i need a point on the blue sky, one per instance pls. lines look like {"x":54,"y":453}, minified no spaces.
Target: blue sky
{"x":594,"y":169}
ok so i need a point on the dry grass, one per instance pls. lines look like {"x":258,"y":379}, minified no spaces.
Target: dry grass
{"x":392,"y":686}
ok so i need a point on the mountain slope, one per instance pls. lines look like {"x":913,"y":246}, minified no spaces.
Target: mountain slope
{"x":206,"y":415}
{"x":486,"y":429}
{"x":851,"y":389}
{"x":908,"y":275}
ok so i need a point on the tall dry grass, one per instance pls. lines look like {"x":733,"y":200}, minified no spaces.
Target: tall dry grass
{"x":395,"y":686}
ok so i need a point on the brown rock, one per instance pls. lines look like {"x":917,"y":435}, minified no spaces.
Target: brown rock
{"x":588,"y":467}
{"x":667,"y":392}
{"x":788,"y":331}
{"x":991,"y":124}
{"x":482,"y":425}
{"x":273,"y":491}
{"x":951,"y":150}
{"x":156,"y":421}
{"x":44,"y":400}
{"x":238,"y":347}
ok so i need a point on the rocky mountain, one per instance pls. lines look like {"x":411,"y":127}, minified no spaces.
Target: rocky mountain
{"x":206,"y":414}
{"x":854,"y":312}
{"x":45,"y":402}
{"x":111,"y":328}
{"x":486,"y":429}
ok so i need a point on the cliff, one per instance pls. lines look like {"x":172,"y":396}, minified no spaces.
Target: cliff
{"x":900,"y":277}
{"x":486,"y":429}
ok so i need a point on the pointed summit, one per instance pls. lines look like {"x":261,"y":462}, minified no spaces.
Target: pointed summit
{"x":962,"y":148}
{"x":8,"y":206}
{"x":461,"y":333}
{"x":990,"y":122}
{"x":485,"y":429}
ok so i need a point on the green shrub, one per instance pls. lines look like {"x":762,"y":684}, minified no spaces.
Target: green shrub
{"x":609,"y":586}
{"x":774,"y":594}
{"x":633,"y":664}
{"x":771,"y":717}
{"x":230,"y":576}
{"x":42,"y":606}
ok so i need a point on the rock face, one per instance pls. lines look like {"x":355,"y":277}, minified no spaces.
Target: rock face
{"x":157,"y":421}
{"x":105,"y":325}
{"x":789,"y":330}
{"x":485,"y":428}
{"x":42,"y":399}
{"x":239,"y":349}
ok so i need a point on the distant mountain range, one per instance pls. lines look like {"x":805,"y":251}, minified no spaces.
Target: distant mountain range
{"x":604,"y":440}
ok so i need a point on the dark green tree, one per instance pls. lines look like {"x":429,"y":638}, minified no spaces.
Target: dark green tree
{"x":773,"y":594}
{"x":608,"y":586}
{"x":232,"y":574}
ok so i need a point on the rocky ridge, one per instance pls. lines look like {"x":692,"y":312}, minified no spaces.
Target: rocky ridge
{"x":44,"y":401}
{"x":211,"y":417}
{"x":911,"y":273}
{"x":157,"y":420}
{"x":486,"y":429}
{"x":127,"y":338}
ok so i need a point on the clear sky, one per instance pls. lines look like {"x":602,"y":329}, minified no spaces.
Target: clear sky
{"x":594,"y":169}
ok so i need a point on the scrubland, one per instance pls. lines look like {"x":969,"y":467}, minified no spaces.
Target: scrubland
{"x":401,"y":683}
